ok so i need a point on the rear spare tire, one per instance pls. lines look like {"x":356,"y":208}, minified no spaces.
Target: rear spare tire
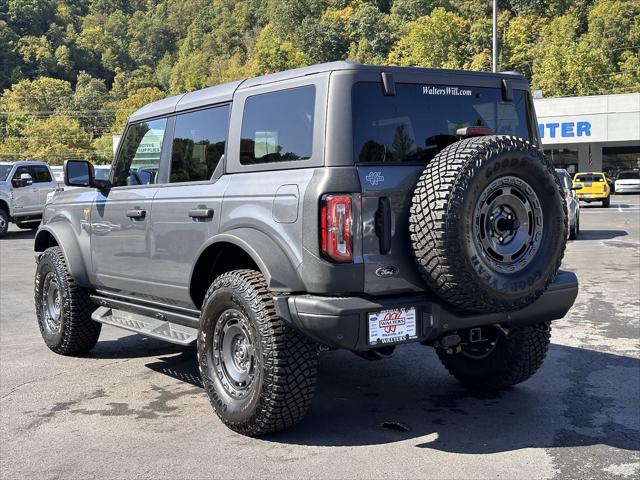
{"x":489,"y":224}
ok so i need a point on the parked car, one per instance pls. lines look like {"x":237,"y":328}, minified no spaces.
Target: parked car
{"x":334,"y":206}
{"x":573,"y":204}
{"x":628,"y":181}
{"x":593,"y":187}
{"x":23,"y":191}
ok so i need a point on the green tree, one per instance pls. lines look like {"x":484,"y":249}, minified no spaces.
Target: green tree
{"x":432,"y":41}
{"x":9,"y":60}
{"x":55,"y":139}
{"x":29,"y":100}
{"x":189,"y":73}
{"x":136,"y":99}
{"x":273,"y":54}
{"x":371,"y":34}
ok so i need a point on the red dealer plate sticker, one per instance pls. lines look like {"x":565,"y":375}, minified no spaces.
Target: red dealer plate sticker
{"x":392,"y":326}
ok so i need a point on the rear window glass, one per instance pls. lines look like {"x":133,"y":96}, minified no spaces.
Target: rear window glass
{"x":589,"y":178}
{"x":278,"y":126}
{"x":420,"y":120}
{"x":629,"y":176}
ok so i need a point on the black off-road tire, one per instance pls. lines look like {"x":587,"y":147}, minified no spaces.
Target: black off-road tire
{"x":513,"y":360}
{"x":284,"y":363}
{"x":76,"y":333}
{"x":444,"y":226}
{"x":606,"y":202}
{"x":4,"y":223}
{"x":28,"y":225}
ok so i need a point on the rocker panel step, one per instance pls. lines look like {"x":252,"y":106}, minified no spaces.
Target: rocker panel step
{"x":148,"y":326}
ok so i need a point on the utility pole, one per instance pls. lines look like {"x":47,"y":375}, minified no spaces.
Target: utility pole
{"x":495,"y":36}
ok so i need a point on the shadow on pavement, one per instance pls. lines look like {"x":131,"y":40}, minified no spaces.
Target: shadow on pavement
{"x":601,"y":234}
{"x":579,"y":397}
{"x":18,"y":235}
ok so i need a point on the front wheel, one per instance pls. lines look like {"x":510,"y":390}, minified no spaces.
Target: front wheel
{"x":4,"y":223}
{"x":63,"y":308}
{"x":259,"y":373}
{"x":575,"y":228}
{"x":490,"y":358}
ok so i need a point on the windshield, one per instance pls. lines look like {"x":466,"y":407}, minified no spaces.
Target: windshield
{"x":4,"y":172}
{"x":420,"y":120}
{"x":622,"y":176}
{"x":589,"y":178}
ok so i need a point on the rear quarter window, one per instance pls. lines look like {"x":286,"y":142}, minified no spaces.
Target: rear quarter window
{"x":278,"y":126}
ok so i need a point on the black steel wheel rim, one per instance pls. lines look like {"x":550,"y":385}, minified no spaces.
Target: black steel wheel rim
{"x":508,"y":224}
{"x":51,"y":303}
{"x":234,"y":353}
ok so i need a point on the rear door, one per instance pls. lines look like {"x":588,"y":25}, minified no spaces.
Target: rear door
{"x":394,"y":137}
{"x":43,"y":183}
{"x":186,"y":211}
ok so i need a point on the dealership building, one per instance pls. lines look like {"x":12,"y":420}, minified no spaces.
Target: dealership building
{"x":596,"y":133}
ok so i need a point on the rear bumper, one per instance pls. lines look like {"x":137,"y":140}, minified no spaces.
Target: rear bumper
{"x":627,"y":188}
{"x":587,"y":197}
{"x":342,"y":322}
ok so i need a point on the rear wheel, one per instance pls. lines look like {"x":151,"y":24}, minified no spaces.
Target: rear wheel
{"x":259,"y":373}
{"x":4,"y":223}
{"x":488,"y":358}
{"x":489,"y":224}
{"x":63,"y":308}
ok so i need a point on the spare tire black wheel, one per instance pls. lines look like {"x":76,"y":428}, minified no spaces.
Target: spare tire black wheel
{"x":489,"y":224}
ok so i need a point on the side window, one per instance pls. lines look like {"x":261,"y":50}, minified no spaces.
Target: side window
{"x":19,"y":171}
{"x":139,"y":157}
{"x":278,"y":126}
{"x":40,"y":174}
{"x":198,"y":144}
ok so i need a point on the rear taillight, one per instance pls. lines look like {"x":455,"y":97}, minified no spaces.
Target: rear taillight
{"x":336,"y":228}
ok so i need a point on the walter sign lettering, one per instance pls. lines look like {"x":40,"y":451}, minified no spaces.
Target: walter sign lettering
{"x":564,"y":129}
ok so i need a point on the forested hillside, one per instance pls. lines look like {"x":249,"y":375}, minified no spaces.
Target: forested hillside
{"x":71,"y":71}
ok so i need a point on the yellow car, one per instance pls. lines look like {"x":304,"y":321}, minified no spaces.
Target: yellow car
{"x":593,"y":187}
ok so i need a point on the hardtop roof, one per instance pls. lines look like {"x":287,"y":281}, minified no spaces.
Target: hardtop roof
{"x":224,"y":92}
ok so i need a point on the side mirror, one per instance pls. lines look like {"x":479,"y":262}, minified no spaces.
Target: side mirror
{"x":80,"y":173}
{"x":576,"y":187}
{"x":25,"y":180}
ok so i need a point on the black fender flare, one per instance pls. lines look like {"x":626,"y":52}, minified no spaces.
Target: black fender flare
{"x":66,"y":239}
{"x":276,"y":266}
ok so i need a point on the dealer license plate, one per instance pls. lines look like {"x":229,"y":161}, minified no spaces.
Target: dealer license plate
{"x":392,"y":326}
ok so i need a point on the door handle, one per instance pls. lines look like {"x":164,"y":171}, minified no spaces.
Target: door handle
{"x":201,"y":213}
{"x":136,"y":213}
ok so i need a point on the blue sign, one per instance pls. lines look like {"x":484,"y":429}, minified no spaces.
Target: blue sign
{"x":565,"y":129}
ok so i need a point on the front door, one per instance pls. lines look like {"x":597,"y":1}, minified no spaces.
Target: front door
{"x":120,"y":217}
{"x":25,"y":199}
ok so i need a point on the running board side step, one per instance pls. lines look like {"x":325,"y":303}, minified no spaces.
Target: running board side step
{"x":147,"y":326}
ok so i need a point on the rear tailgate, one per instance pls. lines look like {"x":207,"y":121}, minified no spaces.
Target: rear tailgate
{"x":592,"y":184}
{"x":394,"y":138}
{"x":386,"y":199}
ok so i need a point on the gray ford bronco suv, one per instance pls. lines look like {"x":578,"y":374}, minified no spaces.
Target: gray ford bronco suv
{"x":334,"y":206}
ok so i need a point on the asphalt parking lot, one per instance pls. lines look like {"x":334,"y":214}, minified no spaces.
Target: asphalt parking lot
{"x":134,"y":407}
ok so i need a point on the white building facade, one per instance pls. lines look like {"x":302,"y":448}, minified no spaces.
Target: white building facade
{"x":596,"y":133}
